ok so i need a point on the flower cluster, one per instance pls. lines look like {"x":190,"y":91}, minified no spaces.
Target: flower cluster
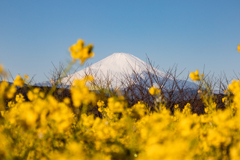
{"x":154,"y":91}
{"x":41,"y":127}
{"x":100,"y":105}
{"x":81,"y":52}
{"x":195,"y":75}
{"x":19,"y":82}
{"x":235,"y":89}
{"x":80,"y":92}
{"x":1,"y":69}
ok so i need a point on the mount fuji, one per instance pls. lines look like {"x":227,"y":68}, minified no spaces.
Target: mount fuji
{"x":123,"y":69}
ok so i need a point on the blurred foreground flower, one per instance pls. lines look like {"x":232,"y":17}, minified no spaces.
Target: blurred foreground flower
{"x":100,"y":105}
{"x":80,"y":92}
{"x":18,"y":81}
{"x":234,"y":87}
{"x":26,"y":77}
{"x":154,"y":91}
{"x":116,"y":104}
{"x":195,"y":76}
{"x":238,"y":48}
{"x":81,"y":52}
{"x":1,"y":68}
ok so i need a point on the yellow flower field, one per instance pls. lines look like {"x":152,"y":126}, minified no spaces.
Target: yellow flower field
{"x":44,"y":128}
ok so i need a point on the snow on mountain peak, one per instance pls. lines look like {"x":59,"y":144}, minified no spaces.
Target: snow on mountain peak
{"x":115,"y":68}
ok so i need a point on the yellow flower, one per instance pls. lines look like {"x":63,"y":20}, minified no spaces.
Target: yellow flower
{"x":81,"y":94}
{"x":194,"y":76}
{"x":238,"y":48}
{"x":224,"y":99}
{"x":140,"y":109}
{"x":67,"y":101}
{"x":116,"y":104}
{"x":11,"y":92}
{"x":100,"y":104}
{"x":154,"y":91}
{"x":187,"y":109}
{"x":11,"y":104}
{"x":1,"y":68}
{"x":100,"y":110}
{"x":76,"y":48}
{"x":36,"y":90}
{"x":41,"y":94}
{"x":30,"y":117}
{"x":176,"y":106}
{"x":26,"y":77}
{"x":30,"y":95}
{"x":87,"y":53}
{"x":18,"y":81}
{"x":78,"y":51}
{"x":206,"y":110}
{"x":19,"y":98}
{"x":2,"y":113}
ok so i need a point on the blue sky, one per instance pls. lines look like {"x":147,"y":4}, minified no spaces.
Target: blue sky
{"x":191,"y":34}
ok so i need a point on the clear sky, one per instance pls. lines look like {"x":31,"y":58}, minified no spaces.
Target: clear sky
{"x":191,"y":34}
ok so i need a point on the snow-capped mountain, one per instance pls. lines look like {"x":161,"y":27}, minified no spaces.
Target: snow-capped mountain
{"x":123,"y":69}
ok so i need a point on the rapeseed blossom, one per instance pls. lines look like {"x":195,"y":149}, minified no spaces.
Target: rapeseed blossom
{"x":80,"y":92}
{"x":140,"y":109}
{"x":100,"y":105}
{"x":154,"y":91}
{"x":11,"y":91}
{"x":43,"y":127}
{"x":235,"y":89}
{"x":26,"y":77}
{"x":195,"y":75}
{"x":81,"y":52}
{"x":19,"y":98}
{"x":18,"y":81}
{"x":117,"y":104}
{"x":1,"y":69}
